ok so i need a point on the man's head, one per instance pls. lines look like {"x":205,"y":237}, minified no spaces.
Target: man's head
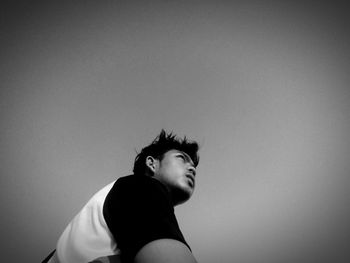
{"x":172,"y":161}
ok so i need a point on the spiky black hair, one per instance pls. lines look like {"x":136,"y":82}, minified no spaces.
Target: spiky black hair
{"x":161,"y":144}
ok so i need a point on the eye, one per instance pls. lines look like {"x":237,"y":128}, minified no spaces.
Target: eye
{"x":182,"y":157}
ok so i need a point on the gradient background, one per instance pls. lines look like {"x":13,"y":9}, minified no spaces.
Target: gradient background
{"x":262,"y":86}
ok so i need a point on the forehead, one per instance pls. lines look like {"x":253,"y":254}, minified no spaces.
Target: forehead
{"x":175,"y":151}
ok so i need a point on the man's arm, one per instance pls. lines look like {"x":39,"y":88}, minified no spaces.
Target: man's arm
{"x":158,"y":251}
{"x":164,"y":251}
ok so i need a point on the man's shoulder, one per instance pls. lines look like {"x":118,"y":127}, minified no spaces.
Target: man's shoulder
{"x":135,"y":180}
{"x":130,"y":181}
{"x":139,"y":186}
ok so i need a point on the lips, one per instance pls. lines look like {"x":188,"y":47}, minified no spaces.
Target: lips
{"x":191,"y":178}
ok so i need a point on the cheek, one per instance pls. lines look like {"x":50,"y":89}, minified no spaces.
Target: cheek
{"x":173,"y":172}
{"x":174,"y":177}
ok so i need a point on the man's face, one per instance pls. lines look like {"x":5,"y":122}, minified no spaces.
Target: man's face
{"x":177,"y":172}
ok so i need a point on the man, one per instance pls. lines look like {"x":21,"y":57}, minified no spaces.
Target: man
{"x":132,"y":219}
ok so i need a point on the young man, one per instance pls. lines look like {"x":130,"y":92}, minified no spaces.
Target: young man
{"x":132,"y":219}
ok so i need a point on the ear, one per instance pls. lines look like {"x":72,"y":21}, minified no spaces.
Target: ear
{"x":152,"y":163}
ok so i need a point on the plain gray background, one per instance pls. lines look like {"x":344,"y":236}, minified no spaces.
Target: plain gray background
{"x":262,"y":86}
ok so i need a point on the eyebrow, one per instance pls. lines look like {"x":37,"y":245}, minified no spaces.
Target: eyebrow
{"x":187,"y":157}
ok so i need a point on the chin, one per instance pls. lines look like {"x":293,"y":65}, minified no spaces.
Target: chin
{"x":182,"y":195}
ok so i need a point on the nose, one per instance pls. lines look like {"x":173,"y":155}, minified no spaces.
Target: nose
{"x":192,"y":169}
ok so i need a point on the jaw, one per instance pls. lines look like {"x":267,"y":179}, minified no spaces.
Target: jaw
{"x":180,"y":196}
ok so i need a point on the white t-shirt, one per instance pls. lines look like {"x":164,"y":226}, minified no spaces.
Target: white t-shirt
{"x":87,"y":236}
